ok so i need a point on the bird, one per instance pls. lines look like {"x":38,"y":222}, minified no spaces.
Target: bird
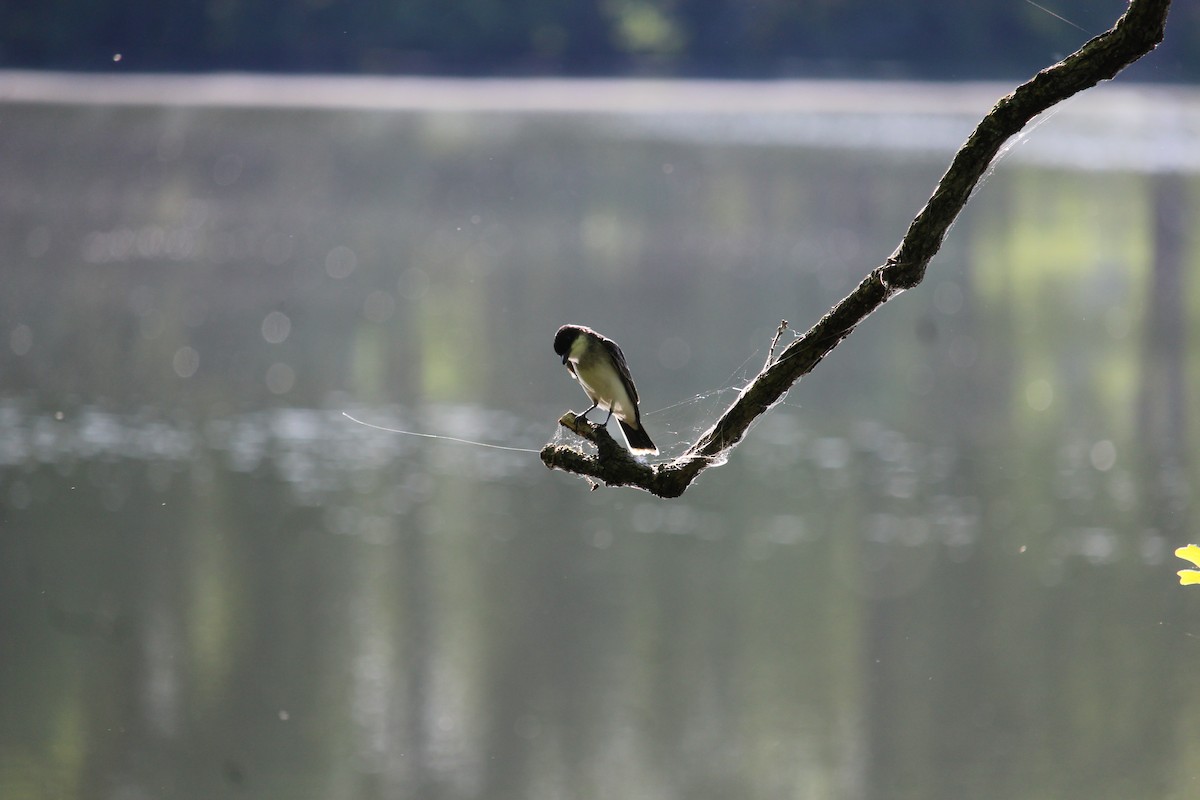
{"x":599,"y":365}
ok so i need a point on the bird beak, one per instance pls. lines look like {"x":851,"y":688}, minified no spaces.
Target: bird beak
{"x":565,"y":356}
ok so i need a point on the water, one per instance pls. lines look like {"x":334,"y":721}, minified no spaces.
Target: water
{"x":942,"y":568}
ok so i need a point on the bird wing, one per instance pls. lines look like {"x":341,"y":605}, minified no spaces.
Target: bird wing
{"x":619,"y":359}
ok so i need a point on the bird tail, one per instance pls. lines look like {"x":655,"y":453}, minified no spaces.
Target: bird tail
{"x":637,"y":438}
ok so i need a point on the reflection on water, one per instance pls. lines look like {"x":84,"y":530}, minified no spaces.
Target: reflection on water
{"x":940,"y":569}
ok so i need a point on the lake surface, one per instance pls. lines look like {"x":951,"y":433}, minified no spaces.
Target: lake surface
{"x":942,"y":568}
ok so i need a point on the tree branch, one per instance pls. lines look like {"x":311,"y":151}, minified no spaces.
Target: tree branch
{"x":1136,"y":33}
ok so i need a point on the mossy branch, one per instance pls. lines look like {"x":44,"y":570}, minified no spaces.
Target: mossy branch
{"x":1137,"y":32}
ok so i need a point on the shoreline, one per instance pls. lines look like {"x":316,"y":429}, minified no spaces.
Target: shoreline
{"x":552,"y":95}
{"x":1147,"y":128}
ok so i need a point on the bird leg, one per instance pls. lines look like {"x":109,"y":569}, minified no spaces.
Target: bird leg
{"x":584,"y":414}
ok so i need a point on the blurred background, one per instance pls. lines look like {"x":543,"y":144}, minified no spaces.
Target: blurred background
{"x":941,"y":568}
{"x":937,"y":39}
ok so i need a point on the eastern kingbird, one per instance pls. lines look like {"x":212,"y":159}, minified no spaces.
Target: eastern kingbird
{"x":599,"y":366}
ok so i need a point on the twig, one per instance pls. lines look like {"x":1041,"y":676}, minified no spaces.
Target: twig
{"x":783,"y":323}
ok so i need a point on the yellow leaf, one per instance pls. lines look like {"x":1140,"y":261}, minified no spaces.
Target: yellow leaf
{"x":1190,"y":553}
{"x":1187,"y":576}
